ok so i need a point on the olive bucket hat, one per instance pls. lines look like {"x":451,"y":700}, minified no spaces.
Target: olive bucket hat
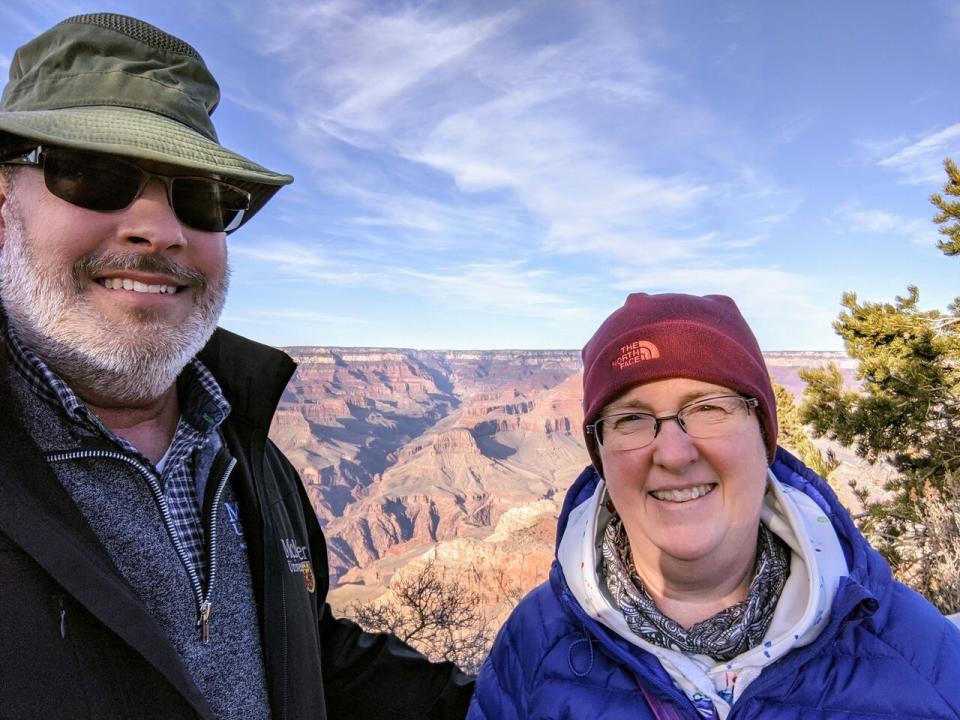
{"x":114,"y":84}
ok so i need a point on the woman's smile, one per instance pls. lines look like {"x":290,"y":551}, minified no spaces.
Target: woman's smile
{"x":683,"y":495}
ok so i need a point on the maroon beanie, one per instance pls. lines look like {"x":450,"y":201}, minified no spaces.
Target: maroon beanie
{"x":656,"y":337}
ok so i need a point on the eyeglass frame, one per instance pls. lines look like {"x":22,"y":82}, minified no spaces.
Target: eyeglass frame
{"x":34,"y":158}
{"x":593,"y":428}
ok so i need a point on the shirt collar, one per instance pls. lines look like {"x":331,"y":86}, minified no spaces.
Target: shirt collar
{"x":202,"y":403}
{"x":42,"y":380}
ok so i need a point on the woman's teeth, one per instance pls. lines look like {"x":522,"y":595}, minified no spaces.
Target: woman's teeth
{"x":683,"y":495}
{"x":137,"y":286}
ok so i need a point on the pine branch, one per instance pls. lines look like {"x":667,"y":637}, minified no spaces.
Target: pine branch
{"x":949,"y":216}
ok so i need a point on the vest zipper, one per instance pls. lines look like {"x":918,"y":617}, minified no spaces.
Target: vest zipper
{"x":286,"y":669}
{"x":63,"y":617}
{"x":206,"y":607}
{"x":201,"y":596}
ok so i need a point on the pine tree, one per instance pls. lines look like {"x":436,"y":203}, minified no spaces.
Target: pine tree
{"x":907,"y":414}
{"x":793,"y":435}
{"x":949,"y":216}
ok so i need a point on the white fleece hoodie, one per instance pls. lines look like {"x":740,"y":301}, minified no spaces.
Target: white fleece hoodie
{"x":816,"y":566}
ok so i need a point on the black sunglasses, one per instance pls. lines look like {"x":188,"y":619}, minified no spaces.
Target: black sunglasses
{"x":106,"y":183}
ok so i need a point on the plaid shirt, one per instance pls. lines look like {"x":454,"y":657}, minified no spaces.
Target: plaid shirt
{"x":188,"y":460}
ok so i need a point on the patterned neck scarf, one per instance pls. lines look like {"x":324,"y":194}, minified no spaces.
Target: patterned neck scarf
{"x":725,"y":635}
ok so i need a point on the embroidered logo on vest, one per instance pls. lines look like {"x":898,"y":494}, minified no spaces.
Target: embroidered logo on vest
{"x":295,"y":554}
{"x":635,"y":352}
{"x":308,"y":578}
{"x":298,"y":562}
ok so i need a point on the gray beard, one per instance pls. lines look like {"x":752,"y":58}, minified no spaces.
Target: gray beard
{"x":133,"y":361}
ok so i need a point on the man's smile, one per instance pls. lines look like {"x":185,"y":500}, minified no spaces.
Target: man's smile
{"x":117,"y":283}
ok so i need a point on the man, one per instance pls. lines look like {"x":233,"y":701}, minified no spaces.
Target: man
{"x":158,"y":555}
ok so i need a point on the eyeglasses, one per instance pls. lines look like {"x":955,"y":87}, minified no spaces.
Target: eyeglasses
{"x":106,"y":183}
{"x":706,"y":418}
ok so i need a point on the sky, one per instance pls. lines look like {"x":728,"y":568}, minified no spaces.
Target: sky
{"x":489,"y":175}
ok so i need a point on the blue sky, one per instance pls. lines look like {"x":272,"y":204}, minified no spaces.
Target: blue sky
{"x":502,"y":174}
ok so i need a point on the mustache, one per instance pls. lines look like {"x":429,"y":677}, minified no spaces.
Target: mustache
{"x":93,"y":265}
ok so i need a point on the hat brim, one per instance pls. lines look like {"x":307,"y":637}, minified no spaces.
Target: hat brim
{"x":145,"y":136}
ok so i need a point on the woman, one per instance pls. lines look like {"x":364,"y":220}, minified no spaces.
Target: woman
{"x":702,"y":572}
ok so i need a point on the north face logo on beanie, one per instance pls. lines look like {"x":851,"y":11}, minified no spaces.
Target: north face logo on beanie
{"x":636,"y":352}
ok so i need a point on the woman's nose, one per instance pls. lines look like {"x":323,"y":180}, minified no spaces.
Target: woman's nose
{"x":673,"y":449}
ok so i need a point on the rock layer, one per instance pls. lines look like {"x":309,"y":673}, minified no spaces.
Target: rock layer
{"x":404,"y":452}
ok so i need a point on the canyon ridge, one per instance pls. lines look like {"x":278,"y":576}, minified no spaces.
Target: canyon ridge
{"x":455,"y":458}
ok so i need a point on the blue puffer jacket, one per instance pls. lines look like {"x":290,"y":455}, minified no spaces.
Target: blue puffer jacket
{"x":885,"y":653}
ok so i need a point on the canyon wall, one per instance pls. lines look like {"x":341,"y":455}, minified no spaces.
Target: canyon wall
{"x":462,"y":457}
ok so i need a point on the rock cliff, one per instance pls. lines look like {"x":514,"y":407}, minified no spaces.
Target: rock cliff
{"x":462,"y":454}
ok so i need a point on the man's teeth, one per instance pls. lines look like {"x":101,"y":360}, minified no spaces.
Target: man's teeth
{"x":682,"y":495}
{"x":137,"y":286}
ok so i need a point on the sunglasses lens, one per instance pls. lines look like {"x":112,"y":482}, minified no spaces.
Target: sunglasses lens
{"x":104,"y":183}
{"x":207,"y":204}
{"x":91,"y":181}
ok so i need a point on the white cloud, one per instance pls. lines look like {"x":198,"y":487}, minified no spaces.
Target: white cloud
{"x":282,"y":253}
{"x":547,"y":126}
{"x":921,"y":161}
{"x":32,"y":21}
{"x":506,"y":287}
{"x":292,"y":260}
{"x":797,"y":126}
{"x":783,"y":308}
{"x":37,"y":16}
{"x":372,"y":68}
{"x":765,"y":291}
{"x":882,"y":222}
{"x":876,"y":149}
{"x":952,"y":12}
{"x":450,"y":224}
{"x":299,"y":316}
{"x":585,"y":192}
{"x":248,"y":99}
{"x":466,"y":148}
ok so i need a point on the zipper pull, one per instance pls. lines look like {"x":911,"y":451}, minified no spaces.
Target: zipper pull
{"x":203,"y":621}
{"x":63,"y":618}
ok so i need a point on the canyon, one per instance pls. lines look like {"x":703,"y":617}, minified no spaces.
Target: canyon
{"x":460,"y":458}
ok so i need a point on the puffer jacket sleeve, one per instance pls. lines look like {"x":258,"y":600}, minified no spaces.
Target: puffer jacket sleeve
{"x":500,"y":693}
{"x":511,"y":678}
